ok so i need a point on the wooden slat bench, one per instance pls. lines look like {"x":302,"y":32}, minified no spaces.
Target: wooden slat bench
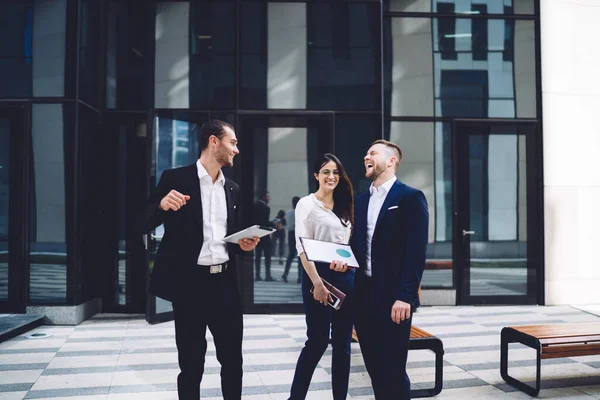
{"x":549,"y":341}
{"x":422,"y":340}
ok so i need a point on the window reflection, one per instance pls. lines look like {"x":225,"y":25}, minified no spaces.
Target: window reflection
{"x":480,"y":68}
{"x":313,"y":55}
{"x":4,"y":196}
{"x":427,"y":165}
{"x":32,"y":61}
{"x":47,"y":241}
{"x":462,"y":6}
{"x":288,"y":148}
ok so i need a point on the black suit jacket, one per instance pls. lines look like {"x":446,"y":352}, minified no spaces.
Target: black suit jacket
{"x":184,"y":235}
{"x":398,"y":246}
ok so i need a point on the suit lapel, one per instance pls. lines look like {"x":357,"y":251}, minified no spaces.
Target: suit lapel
{"x":195,"y":196}
{"x":230,"y":203}
{"x":390,"y":200}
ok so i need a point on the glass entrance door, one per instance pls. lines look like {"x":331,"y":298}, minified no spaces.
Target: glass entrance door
{"x":497,"y":232}
{"x":277,"y":155}
{"x":13,"y":273}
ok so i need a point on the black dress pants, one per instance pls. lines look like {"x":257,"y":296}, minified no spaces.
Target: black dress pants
{"x":209,"y":301}
{"x":383,"y":344}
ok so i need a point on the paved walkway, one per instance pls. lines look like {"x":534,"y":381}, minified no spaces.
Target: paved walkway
{"x":122,"y":357}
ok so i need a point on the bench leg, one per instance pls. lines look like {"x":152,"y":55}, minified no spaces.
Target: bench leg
{"x":511,"y":336}
{"x":434,"y":344}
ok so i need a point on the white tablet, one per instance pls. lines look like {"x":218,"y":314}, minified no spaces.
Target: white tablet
{"x":250,"y":232}
{"x":320,"y":251}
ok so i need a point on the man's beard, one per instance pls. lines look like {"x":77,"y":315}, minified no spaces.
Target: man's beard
{"x":224,"y":160}
{"x":378,"y":169}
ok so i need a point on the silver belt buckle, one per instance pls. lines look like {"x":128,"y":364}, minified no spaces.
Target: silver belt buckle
{"x":216,"y":269}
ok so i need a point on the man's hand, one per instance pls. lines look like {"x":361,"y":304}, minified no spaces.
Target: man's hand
{"x":400,"y":311}
{"x":173,"y":201}
{"x":338,"y":266}
{"x":248,"y":244}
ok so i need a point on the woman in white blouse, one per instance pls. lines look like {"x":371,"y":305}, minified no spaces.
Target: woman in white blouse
{"x":328,"y":215}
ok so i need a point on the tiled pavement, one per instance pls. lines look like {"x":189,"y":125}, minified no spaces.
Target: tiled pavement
{"x":122,"y":357}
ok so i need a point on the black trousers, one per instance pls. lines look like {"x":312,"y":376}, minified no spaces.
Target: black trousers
{"x":383,"y":344}
{"x":209,"y":301}
{"x":265,"y":246}
{"x":292,"y":254}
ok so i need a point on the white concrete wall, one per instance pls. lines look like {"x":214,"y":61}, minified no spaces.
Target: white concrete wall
{"x":48,"y":47}
{"x":571,"y":100}
{"x":172,"y":62}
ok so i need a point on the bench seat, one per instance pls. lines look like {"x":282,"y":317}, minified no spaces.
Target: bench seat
{"x":549,"y":341}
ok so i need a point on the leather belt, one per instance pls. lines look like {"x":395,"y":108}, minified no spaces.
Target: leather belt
{"x":216,"y":269}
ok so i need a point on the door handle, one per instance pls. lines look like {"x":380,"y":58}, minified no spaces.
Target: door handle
{"x":465,"y":233}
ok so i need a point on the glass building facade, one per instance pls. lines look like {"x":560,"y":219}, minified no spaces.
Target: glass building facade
{"x":99,"y":97}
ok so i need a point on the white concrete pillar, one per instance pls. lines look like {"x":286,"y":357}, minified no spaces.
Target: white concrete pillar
{"x":571,"y":100}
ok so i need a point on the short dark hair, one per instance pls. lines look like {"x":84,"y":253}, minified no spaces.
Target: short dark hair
{"x":213,"y":127}
{"x":392,"y":146}
{"x":295,"y":201}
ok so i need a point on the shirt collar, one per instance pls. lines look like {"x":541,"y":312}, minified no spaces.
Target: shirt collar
{"x":202,"y":173}
{"x":382,"y":188}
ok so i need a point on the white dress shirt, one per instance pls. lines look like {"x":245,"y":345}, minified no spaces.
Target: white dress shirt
{"x":315,"y":221}
{"x":214,"y":218}
{"x":376,"y":200}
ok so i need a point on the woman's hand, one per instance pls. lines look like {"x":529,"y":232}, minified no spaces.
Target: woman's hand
{"x":321,"y":294}
{"x":338,"y":266}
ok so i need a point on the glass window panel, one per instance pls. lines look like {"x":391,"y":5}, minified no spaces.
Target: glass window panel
{"x":475,"y":68}
{"x":5,"y":132}
{"x":353,"y":137}
{"x":285,"y":150}
{"x":408,"y":67}
{"x":32,"y":62}
{"x":306,"y":56}
{"x":342,"y":56}
{"x":172,"y":58}
{"x":212,"y":54}
{"x":50,"y":124}
{"x":427,"y":166}
{"x":462,"y":6}
{"x":89,"y":51}
{"x":130,"y":55}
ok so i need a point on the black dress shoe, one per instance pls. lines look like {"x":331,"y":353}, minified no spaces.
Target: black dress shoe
{"x":284,"y":278}
{"x":258,"y":278}
{"x":270,"y":279}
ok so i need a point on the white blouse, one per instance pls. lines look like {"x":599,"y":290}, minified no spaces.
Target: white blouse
{"x":315,"y":221}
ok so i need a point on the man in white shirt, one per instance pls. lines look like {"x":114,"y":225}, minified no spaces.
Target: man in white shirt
{"x":194,"y":267}
{"x":389,"y":241}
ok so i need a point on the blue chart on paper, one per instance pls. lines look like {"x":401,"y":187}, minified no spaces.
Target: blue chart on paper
{"x":343,"y":253}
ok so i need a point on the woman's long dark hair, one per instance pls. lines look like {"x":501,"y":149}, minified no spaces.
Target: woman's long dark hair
{"x":343,"y":195}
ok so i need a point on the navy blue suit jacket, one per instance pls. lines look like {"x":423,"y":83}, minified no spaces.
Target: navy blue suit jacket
{"x":398,"y":246}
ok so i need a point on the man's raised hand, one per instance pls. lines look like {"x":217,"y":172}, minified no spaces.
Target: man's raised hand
{"x":173,"y":201}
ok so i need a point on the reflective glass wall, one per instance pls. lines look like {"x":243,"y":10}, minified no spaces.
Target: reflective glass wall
{"x":457,"y":59}
{"x":295,"y":78}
